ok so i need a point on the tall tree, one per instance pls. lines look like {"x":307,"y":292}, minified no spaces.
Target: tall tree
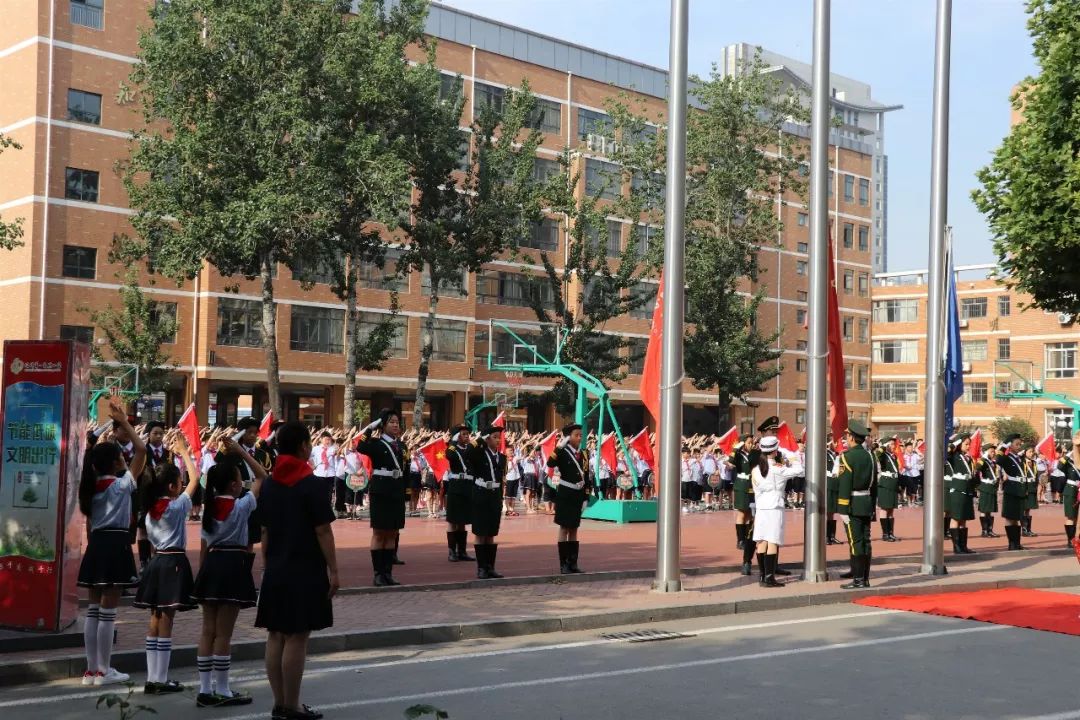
{"x":11,"y":231}
{"x":474,"y":192}
{"x":234,"y":101}
{"x":1030,"y":191}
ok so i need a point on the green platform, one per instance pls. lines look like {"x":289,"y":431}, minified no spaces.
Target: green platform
{"x":621,"y":511}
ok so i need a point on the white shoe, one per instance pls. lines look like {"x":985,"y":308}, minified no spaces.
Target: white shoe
{"x":111,"y":677}
{"x":88,"y":677}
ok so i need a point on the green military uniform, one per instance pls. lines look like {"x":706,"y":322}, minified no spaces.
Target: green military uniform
{"x":1031,"y":477}
{"x":832,"y":487}
{"x":960,"y":484}
{"x":888,"y":496}
{"x":857,"y":498}
{"x":1072,"y":484}
{"x":988,"y":487}
{"x":744,"y":489}
{"x":1014,"y":487}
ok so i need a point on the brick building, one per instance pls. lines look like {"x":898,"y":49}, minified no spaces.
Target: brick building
{"x":63,"y":62}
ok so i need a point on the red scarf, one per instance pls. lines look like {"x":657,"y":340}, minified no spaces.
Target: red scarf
{"x":223,"y":505}
{"x":103,"y":483}
{"x":159,"y":507}
{"x":289,"y":470}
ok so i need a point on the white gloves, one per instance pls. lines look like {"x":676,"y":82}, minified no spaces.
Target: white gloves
{"x":372,"y":427}
{"x":562,"y":442}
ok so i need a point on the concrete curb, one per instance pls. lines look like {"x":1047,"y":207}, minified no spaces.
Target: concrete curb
{"x":133,"y":661}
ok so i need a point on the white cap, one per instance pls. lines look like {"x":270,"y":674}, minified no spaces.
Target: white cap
{"x":769,"y":444}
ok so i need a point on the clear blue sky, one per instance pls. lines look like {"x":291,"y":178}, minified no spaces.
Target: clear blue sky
{"x":886,"y":43}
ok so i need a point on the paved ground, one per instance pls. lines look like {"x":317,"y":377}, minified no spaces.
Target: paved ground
{"x":822,"y":662}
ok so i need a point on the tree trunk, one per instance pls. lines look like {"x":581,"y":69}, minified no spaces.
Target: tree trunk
{"x":351,"y":323}
{"x":425,"y":355}
{"x":269,"y":335}
{"x":723,"y":411}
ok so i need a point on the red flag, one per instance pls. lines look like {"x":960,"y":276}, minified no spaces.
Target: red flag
{"x":643,"y":446}
{"x":975,"y":451}
{"x":786,"y":438}
{"x":264,"y":426}
{"x":898,"y":452}
{"x":500,"y":421}
{"x":727,"y":441}
{"x":435,"y":454}
{"x":608,"y":453}
{"x":921,"y":447}
{"x":837,"y":395}
{"x":547,"y":448}
{"x":189,"y":426}
{"x":1046,"y":447}
{"x":650,"y":374}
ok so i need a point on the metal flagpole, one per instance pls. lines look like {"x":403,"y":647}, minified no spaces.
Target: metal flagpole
{"x":816,"y":398}
{"x":933,"y":493}
{"x":668,"y":572}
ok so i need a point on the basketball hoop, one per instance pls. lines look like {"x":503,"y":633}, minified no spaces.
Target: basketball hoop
{"x":514,"y":378}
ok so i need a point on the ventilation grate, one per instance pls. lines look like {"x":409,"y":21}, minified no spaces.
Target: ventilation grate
{"x":639,"y":636}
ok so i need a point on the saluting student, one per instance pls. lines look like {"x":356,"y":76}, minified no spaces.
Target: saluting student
{"x":488,"y":468}
{"x":1013,"y":488}
{"x":571,"y":494}
{"x":1070,"y":466}
{"x":389,"y":465}
{"x":888,"y":491}
{"x":988,"y":491}
{"x":458,"y":482}
{"x":960,"y":482}
{"x":770,"y":478}
{"x":1031,"y":477}
{"x":832,"y":491}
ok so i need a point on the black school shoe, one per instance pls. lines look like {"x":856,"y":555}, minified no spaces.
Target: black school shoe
{"x":216,"y":700}
{"x":165,"y":688}
{"x":304,"y":713}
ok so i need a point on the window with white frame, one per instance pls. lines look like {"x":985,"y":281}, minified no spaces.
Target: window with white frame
{"x":974,"y":350}
{"x":1060,"y":360}
{"x":895,"y":351}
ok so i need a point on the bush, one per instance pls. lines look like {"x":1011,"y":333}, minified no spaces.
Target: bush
{"x":1003,"y":427}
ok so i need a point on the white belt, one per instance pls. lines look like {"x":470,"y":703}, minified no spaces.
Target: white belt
{"x":1074,"y":483}
{"x":988,"y":482}
{"x":386,"y":473}
{"x":887,"y":474}
{"x":1014,"y":479}
{"x":572,"y":486}
{"x":860,"y":493}
{"x":488,"y":485}
{"x":742,"y":476}
{"x":462,"y":476}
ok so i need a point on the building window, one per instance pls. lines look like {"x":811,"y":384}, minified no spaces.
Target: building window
{"x":973,"y":350}
{"x":864,"y":377}
{"x":1059,"y":421}
{"x":88,"y":13}
{"x":514,"y":290}
{"x":636,"y":354}
{"x":890,"y":311}
{"x":848,"y":376}
{"x":79,"y":333}
{"x":848,"y":325}
{"x":800,"y":416}
{"x":800,"y":394}
{"x":81,"y":184}
{"x":804,"y":219}
{"x":800,"y":267}
{"x":239,"y":322}
{"x":849,"y":282}
{"x":1060,"y":360}
{"x":849,"y":235}
{"x":543,"y":235}
{"x":546,"y":116}
{"x":864,"y":191}
{"x":448,"y":340}
{"x":895,"y":351}
{"x":832,"y":181}
{"x":545,"y":169}
{"x":316,"y":269}
{"x":450,"y":87}
{"x":645,"y":310}
{"x":864,"y":285}
{"x":383,"y":275}
{"x":641,"y":238}
{"x":610,"y":243}
{"x":80,"y":262}
{"x":800,"y":345}
{"x":164,"y":312}
{"x":975,"y":392}
{"x":448,"y":287}
{"x":892,"y":391}
{"x":849,"y":188}
{"x":1004,"y":305}
{"x":368,"y":321}
{"x":1004,"y":349}
{"x":800,"y":317}
{"x":864,"y":238}
{"x":802,"y":247}
{"x":972,"y":308}
{"x":801,"y":295}
{"x":488,"y":96}
{"x":590,"y":122}
{"x":84,"y":106}
{"x":317,"y":329}
{"x":602,"y":179}
{"x":864,"y":330}
{"x":464,"y":151}
{"x":800,"y":365}
{"x":1004,"y":388}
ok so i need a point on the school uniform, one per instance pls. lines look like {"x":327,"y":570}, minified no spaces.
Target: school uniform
{"x":488,"y":469}
{"x":769,"y":493}
{"x":531,"y":472}
{"x":324,"y":461}
{"x":513,"y":477}
{"x":108,"y":560}
{"x":225,"y":575}
{"x":167,"y":581}
{"x":389,"y":464}
{"x":572,"y":489}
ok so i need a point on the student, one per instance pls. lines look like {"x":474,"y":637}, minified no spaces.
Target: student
{"x":108,"y":565}
{"x":224,"y":584}
{"x":389,"y":462}
{"x":166,"y":582}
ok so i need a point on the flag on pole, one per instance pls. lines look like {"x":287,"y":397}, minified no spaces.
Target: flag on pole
{"x":650,"y":373}
{"x":500,"y":421}
{"x":1047,"y":448}
{"x":786,"y":438}
{"x":189,"y":426}
{"x":608,"y":452}
{"x":954,"y":355}
{"x":838,"y":418}
{"x":264,"y":426}
{"x":898,"y":453}
{"x":921,"y":447}
{"x":975,"y":451}
{"x":643,"y":446}
{"x":547,"y":448}
{"x":435,"y":454}
{"x":727,"y":441}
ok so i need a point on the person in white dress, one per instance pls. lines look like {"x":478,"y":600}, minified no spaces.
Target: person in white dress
{"x":770,"y":478}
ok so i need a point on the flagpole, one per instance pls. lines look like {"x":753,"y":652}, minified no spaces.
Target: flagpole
{"x":668,"y":571}
{"x":814,"y":568}
{"x":933,"y":493}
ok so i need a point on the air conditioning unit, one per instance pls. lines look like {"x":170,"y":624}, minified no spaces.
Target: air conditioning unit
{"x":601,"y":144}
{"x":212,"y":359}
{"x":966,"y":367}
{"x":963,"y":322}
{"x":1065,"y":318}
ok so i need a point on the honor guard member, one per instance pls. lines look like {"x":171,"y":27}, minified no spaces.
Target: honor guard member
{"x":856,"y":502}
{"x":832,"y":491}
{"x":459,"y":489}
{"x":251,"y":444}
{"x":570,"y":495}
{"x":744,"y":502}
{"x":888,"y":490}
{"x":1031,"y":486}
{"x":768,"y":429}
{"x":488,"y":469}
{"x":987,"y":471}
{"x":1070,"y":466}
{"x":1013,"y":489}
{"x":960,"y":484}
{"x":389,"y":460}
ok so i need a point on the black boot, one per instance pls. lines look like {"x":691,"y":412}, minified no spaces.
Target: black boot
{"x":770,"y":572}
{"x":884,"y":522}
{"x":1013,"y":533}
{"x":963,"y":542}
{"x":858,"y":580}
{"x":747,"y":557}
{"x":990,"y":527}
{"x":830,"y":533}
{"x":761,"y":569}
{"x":867,"y":559}
{"x":492,"y":553}
{"x":376,"y":565}
{"x":982,"y":523}
{"x":483,"y":567}
{"x":740,"y":535}
{"x":394,"y":557}
{"x":954,"y":535}
{"x":776,"y":569}
{"x":564,"y":554}
{"x":451,"y":542}
{"x":463,"y":545}
{"x":575,"y":547}
{"x":388,"y":566}
{"x":1070,"y":535}
{"x":947,"y":521}
{"x":1027,"y":523}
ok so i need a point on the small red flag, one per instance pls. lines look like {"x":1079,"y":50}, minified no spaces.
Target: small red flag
{"x":608,"y":453}
{"x":435,"y":454}
{"x":1046,"y":448}
{"x":975,"y":451}
{"x":189,"y":426}
{"x":898,"y":452}
{"x":500,"y":421}
{"x":786,"y":438}
{"x":643,"y":446}
{"x":264,"y":426}
{"x":547,"y":448}
{"x":921,"y":448}
{"x":727,"y":441}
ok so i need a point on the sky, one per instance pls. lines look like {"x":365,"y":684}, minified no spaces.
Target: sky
{"x":886,"y":43}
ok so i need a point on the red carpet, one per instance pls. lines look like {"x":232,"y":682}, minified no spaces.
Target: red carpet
{"x":1019,"y":607}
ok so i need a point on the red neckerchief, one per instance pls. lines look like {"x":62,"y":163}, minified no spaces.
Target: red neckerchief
{"x":159,"y":507}
{"x":289,"y":470}
{"x":223,"y":505}
{"x":103,"y":483}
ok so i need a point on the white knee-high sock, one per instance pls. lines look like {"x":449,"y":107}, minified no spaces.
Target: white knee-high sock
{"x":206,"y":667}
{"x":90,"y":637}
{"x":106,"y":620}
{"x":221,"y":674}
{"x":151,"y":659}
{"x":164,"y":654}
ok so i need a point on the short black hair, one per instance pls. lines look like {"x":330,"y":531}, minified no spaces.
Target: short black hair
{"x":387,"y":413}
{"x":291,"y":437}
{"x":153,"y":425}
{"x":248,"y":422}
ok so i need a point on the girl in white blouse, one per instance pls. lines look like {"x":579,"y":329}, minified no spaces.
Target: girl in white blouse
{"x":770,"y":478}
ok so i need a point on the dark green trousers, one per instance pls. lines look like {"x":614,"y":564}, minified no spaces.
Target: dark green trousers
{"x":858,"y":533}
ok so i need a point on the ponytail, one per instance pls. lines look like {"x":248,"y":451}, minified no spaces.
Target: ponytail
{"x":218,"y":479}
{"x":99,"y":460}
{"x":163,"y":476}
{"x":763,"y":465}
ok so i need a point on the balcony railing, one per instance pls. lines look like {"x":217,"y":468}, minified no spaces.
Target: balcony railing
{"x":87,"y":16}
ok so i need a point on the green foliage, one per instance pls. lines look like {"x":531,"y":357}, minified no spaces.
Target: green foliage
{"x":1030,"y":191}
{"x":122,"y":704}
{"x":10,"y":232}
{"x":419,"y":711}
{"x":136,"y":333}
{"x":1003,"y":427}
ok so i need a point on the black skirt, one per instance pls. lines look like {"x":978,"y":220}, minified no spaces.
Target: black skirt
{"x":166,"y":583}
{"x":459,"y":502}
{"x":387,"y":503}
{"x":568,"y":506}
{"x":108,"y":560}
{"x":289,"y":606}
{"x":225,"y":577}
{"x":486,"y":512}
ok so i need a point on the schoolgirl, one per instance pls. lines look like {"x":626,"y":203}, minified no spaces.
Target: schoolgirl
{"x":166,"y":584}
{"x":390,"y":464}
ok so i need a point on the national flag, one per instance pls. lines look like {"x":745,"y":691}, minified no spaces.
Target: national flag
{"x":838,"y":418}
{"x":189,"y":426}
{"x":727,"y":441}
{"x":435,"y":454}
{"x":547,"y":448}
{"x":898,"y":453}
{"x":921,"y":447}
{"x":608,"y":452}
{"x":500,"y":422}
{"x":644,"y":448}
{"x":1047,"y":448}
{"x":975,"y":451}
{"x":786,"y":438}
{"x":264,"y":426}
{"x":650,"y":373}
{"x":954,"y":355}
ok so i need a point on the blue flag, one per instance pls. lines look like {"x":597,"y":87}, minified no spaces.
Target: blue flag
{"x":954,"y":355}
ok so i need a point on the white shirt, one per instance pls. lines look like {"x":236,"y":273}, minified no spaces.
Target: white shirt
{"x":233,"y":530}
{"x":322,"y":459}
{"x":170,"y":530}
{"x":111,"y":508}
{"x":769,"y":491}
{"x":708,"y":464}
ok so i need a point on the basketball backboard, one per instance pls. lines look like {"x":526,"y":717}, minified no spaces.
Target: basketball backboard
{"x":1016,"y":379}
{"x":514,"y":346}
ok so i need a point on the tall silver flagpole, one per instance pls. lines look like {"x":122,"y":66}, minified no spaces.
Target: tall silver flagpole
{"x":816,"y":399}
{"x":668,"y":572}
{"x":934,"y":494}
